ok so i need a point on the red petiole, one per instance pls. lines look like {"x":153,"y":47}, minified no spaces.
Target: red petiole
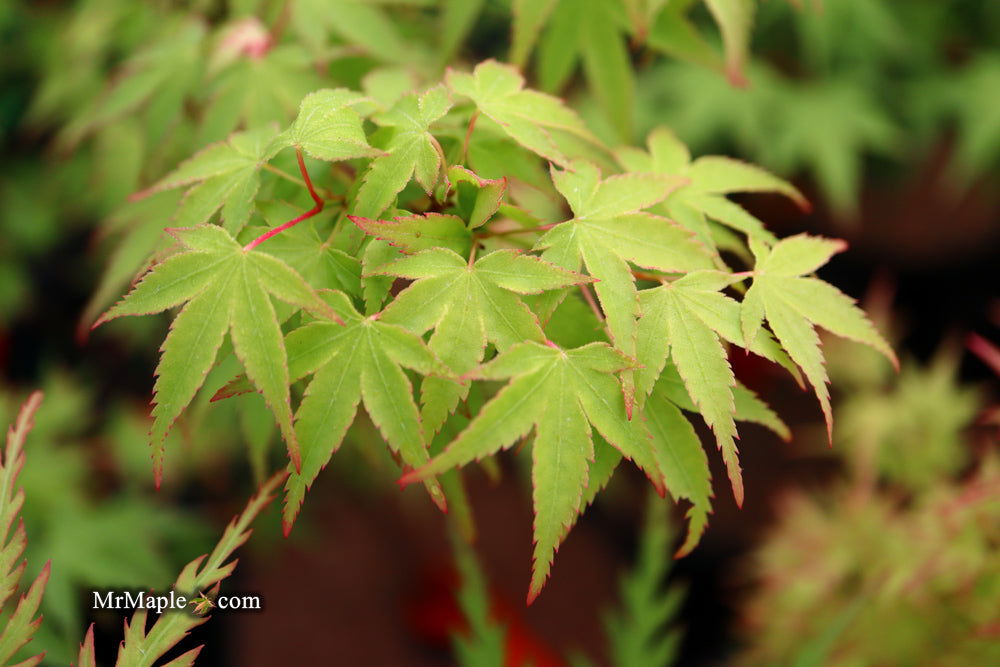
{"x":294,"y":221}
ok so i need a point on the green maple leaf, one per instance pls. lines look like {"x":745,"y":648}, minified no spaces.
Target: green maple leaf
{"x":593,"y":32}
{"x":224,"y":288}
{"x":608,"y":231}
{"x":690,"y":318}
{"x":413,"y":233}
{"x":682,"y":460}
{"x":254,"y":91}
{"x":794,"y":305}
{"x":360,"y":23}
{"x":225,"y":175}
{"x":749,"y":408}
{"x":411,"y":152}
{"x":561,"y":393}
{"x":359,"y":361}
{"x":476,"y":199}
{"x":853,"y":124}
{"x":468,"y":306}
{"x":155,"y":83}
{"x":965,"y":97}
{"x":672,"y":32}
{"x":735,"y":19}
{"x":308,"y":247}
{"x":709,"y":180}
{"x":328,"y":127}
{"x":531,"y":118}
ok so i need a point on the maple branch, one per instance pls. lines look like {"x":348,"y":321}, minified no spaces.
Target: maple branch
{"x":294,"y":221}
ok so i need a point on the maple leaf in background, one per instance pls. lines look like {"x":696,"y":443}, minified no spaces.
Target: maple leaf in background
{"x":708,"y":181}
{"x":224,"y":175}
{"x":531,"y":118}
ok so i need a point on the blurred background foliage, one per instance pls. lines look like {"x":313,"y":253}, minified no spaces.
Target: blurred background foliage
{"x":884,"y":111}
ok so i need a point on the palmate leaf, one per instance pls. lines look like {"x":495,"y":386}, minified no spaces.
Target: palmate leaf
{"x":677,"y":447}
{"x":361,"y":360}
{"x":680,"y":456}
{"x":257,"y":90}
{"x":561,"y":393}
{"x":794,"y":305}
{"x":224,"y":288}
{"x":710,"y":179}
{"x":476,"y":199}
{"x":306,"y":246}
{"x":530,"y":118}
{"x":411,"y":152}
{"x":690,"y":318}
{"x":361,"y":23}
{"x":734,"y":18}
{"x":224,"y":175}
{"x":607,"y":232}
{"x":591,"y":32}
{"x":328,"y":127}
{"x":853,"y":125}
{"x":468,"y":306}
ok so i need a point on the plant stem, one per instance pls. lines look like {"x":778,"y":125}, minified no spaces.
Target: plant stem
{"x":589,"y":298}
{"x":468,"y":135}
{"x":284,"y":174}
{"x":294,"y":221}
{"x":329,"y":196}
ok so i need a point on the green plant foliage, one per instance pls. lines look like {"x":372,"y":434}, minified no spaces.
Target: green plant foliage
{"x":483,"y":643}
{"x":639,"y":629}
{"x":126,"y":541}
{"x":226,"y":289}
{"x":870,"y":72}
{"x":469,"y":279}
{"x":198,"y":582}
{"x":898,"y":560}
{"x":18,"y":623}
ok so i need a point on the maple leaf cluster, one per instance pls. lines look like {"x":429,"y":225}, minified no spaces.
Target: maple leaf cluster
{"x":434,"y":257}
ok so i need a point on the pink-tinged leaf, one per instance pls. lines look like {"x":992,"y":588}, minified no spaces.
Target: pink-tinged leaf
{"x":478,"y":198}
{"x":735,"y":19}
{"x":419,"y":232}
{"x":21,"y":624}
{"x":86,"y":657}
{"x":238,"y":386}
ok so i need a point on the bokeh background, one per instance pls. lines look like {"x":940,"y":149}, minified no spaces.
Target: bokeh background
{"x":884,"y":549}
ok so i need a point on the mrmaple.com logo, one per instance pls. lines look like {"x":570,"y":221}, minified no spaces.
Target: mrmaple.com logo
{"x":171,"y":600}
